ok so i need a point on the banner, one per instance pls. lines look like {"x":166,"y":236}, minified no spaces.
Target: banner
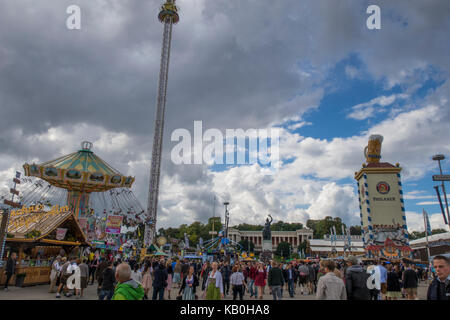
{"x":61,"y":233}
{"x":83,"y":222}
{"x":113,"y":224}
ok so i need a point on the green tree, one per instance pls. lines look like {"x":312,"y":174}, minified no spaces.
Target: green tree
{"x":245,"y":244}
{"x":283,"y":249}
{"x":355,"y":230}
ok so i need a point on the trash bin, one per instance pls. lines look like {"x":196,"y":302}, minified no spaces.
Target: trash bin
{"x":20,"y":278}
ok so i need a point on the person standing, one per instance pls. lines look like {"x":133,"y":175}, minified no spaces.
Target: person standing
{"x":93,"y":268}
{"x":106,"y":282}
{"x":147,"y":279}
{"x":410,"y":282}
{"x":127,"y":288}
{"x":439,"y":288}
{"x":329,"y":286}
{"x":275,"y":280}
{"x":189,"y":285}
{"x":356,"y":280}
{"x":10,"y":269}
{"x":54,"y":274}
{"x":177,"y":274}
{"x":160,"y":280}
{"x":393,"y":284}
{"x":237,"y":282}
{"x":136,"y":274}
{"x":214,"y":289}
{"x":383,"y":279}
{"x":311,"y":277}
{"x":260,"y":279}
{"x":84,"y":276}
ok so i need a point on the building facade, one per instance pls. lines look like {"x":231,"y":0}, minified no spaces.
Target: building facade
{"x":439,"y":244}
{"x":295,"y":238}
{"x":324,"y":247}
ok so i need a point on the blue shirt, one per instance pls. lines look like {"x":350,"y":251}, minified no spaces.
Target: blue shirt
{"x":383,"y":274}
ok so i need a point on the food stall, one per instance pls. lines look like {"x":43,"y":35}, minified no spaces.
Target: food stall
{"x":37,"y":238}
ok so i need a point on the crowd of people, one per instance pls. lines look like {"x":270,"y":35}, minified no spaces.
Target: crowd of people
{"x":155,"y":277}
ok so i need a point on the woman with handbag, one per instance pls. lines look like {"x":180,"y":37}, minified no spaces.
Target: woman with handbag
{"x":189,"y":285}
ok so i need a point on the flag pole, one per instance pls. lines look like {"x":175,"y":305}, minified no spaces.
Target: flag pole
{"x":426,"y":233}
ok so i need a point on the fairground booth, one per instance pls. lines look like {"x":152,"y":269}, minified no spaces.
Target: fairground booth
{"x":38,"y":236}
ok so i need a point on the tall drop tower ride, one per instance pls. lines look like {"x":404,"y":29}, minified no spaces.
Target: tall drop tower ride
{"x":168,"y":15}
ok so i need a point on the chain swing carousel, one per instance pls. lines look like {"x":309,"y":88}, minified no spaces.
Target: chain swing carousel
{"x":74,"y":201}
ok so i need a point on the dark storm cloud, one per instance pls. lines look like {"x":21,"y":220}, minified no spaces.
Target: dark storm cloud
{"x":234,"y":64}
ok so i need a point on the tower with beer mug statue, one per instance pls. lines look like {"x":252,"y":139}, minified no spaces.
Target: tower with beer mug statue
{"x":382,"y":210}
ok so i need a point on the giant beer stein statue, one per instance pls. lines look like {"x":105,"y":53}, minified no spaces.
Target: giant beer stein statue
{"x":373,"y":150}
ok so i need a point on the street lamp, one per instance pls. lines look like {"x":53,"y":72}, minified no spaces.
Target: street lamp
{"x":438,"y":158}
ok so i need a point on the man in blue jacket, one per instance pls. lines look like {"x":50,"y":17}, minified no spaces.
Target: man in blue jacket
{"x":439,"y":288}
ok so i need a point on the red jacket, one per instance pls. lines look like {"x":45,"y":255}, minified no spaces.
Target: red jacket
{"x":260,"y":280}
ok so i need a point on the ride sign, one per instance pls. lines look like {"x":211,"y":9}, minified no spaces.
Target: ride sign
{"x":441,"y":177}
{"x":113,"y":224}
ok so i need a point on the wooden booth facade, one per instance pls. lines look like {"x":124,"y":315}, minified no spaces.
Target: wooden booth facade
{"x":37,"y":238}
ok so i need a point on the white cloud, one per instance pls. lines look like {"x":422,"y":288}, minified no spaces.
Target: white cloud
{"x":414,"y":221}
{"x":369,"y":109}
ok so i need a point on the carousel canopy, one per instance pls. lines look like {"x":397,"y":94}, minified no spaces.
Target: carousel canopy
{"x":79,"y":171}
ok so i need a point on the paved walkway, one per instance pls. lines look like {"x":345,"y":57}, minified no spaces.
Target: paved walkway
{"x":40,"y":292}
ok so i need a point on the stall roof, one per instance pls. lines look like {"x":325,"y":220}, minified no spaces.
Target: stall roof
{"x":45,"y":223}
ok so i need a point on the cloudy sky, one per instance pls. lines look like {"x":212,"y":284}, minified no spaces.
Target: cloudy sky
{"x":311,"y":68}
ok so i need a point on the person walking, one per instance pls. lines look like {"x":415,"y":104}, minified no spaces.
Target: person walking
{"x":204,"y":275}
{"x":63,"y":278}
{"x":303,"y":277}
{"x":329,"y":286}
{"x":189,"y":285}
{"x":126,"y":288}
{"x":290,"y":279}
{"x":252,"y":276}
{"x":84,"y":276}
{"x":410,"y":282}
{"x":311,"y":277}
{"x":356,"y":280}
{"x":237,"y":281}
{"x":55,"y":274}
{"x":214,"y":289}
{"x":169,"y":277}
{"x":260,"y":279}
{"x":160,"y":279}
{"x":439,"y":288}
{"x":226,"y":271}
{"x":275,"y":280}
{"x":393,"y":284}
{"x":10,"y":269}
{"x":147,"y":279}
{"x":106,"y":282}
